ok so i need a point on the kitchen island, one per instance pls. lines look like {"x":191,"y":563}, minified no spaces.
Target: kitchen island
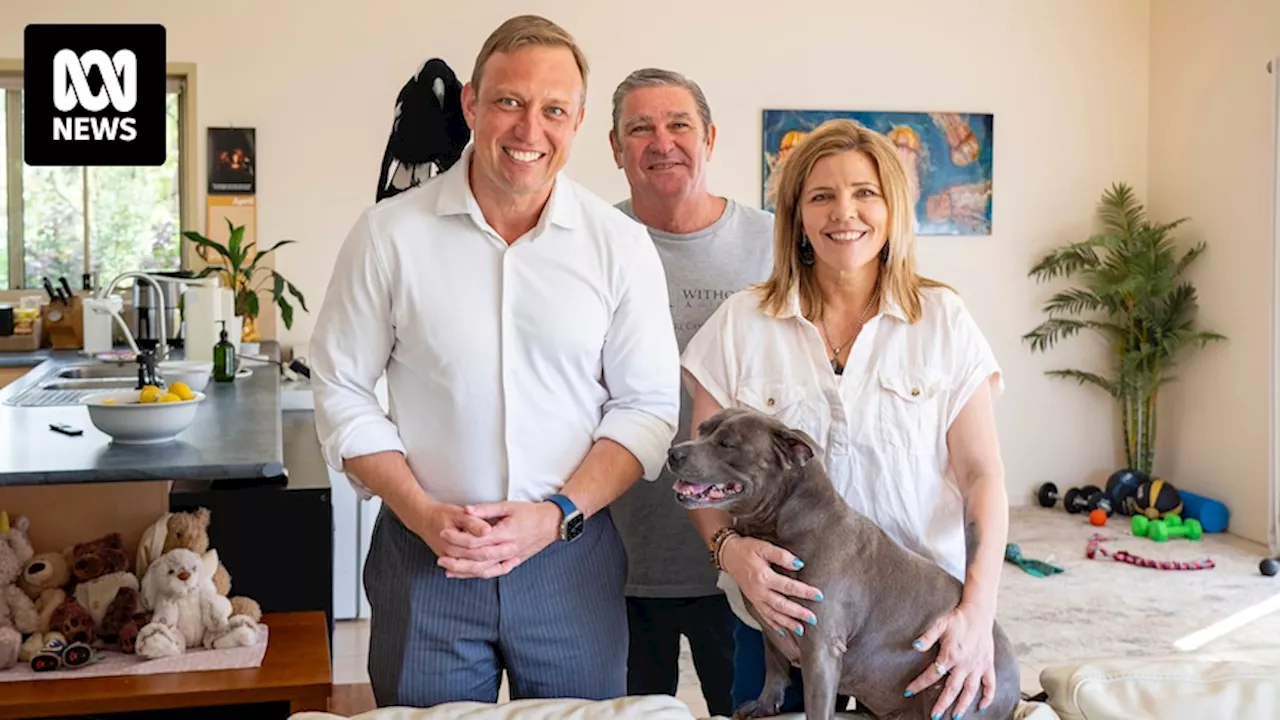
{"x":236,"y":434}
{"x":259,"y":473}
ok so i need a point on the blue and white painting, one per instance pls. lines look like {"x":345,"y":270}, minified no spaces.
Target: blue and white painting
{"x":947,"y":155}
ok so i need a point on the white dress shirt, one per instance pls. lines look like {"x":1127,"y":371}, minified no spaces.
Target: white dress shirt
{"x":504,"y":364}
{"x":881,"y":426}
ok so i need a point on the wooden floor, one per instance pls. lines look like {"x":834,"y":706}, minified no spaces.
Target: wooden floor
{"x":348,"y":700}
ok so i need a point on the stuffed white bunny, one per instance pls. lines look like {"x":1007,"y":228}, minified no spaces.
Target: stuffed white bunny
{"x":186,"y":609}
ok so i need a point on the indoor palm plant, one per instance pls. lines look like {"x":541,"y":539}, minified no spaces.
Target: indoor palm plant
{"x":1134,"y":296}
{"x":241,"y":272}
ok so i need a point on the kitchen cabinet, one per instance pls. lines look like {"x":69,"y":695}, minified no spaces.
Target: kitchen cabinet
{"x":9,"y":374}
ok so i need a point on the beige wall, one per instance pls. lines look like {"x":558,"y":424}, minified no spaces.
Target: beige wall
{"x":1212,"y":159}
{"x":1067,"y":81}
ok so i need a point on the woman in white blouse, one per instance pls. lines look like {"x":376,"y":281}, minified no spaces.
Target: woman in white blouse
{"x":888,"y":372}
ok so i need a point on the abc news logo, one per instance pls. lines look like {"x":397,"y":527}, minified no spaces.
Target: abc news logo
{"x":95,"y":95}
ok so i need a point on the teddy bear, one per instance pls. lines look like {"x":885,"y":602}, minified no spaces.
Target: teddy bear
{"x":18,"y":614}
{"x":187,"y":610}
{"x":105,"y":606}
{"x":44,"y":579}
{"x":190,"y":530}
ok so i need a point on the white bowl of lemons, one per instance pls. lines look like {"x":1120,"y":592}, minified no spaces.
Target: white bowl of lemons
{"x":144,"y":417}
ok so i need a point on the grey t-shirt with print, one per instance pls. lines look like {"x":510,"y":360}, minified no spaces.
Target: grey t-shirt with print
{"x":667,"y":558}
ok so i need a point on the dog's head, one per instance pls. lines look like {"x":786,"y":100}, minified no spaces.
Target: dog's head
{"x":742,"y":462}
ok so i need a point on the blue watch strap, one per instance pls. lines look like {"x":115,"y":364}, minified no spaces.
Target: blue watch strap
{"x":564,"y":503}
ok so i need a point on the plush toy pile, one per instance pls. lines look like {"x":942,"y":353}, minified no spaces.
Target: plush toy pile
{"x":61,"y":609}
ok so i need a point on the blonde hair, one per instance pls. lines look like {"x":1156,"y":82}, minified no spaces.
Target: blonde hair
{"x":898,"y":276}
{"x":525,"y":30}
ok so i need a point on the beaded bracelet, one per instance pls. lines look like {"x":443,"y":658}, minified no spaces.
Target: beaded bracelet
{"x":717,"y":543}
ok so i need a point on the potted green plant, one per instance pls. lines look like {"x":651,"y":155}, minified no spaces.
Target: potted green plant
{"x":241,"y":272}
{"x":1134,"y":296}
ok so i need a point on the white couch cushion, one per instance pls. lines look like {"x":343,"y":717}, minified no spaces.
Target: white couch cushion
{"x":650,"y":707}
{"x":1128,"y":688}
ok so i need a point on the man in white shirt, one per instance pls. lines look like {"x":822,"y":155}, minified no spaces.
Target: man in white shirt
{"x":533,"y":376}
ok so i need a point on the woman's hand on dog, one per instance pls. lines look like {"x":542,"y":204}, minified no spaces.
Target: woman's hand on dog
{"x":750,"y":562}
{"x":966,"y":652}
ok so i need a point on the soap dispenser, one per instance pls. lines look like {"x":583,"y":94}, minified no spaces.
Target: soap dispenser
{"x":224,"y":358}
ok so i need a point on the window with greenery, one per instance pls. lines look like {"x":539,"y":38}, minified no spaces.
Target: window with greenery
{"x":96,"y":221}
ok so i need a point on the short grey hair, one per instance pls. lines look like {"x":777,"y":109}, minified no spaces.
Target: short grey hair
{"x":656,"y":77}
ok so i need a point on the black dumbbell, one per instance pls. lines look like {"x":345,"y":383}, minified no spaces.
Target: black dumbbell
{"x":1086,"y":499}
{"x":1077,"y":500}
{"x":1047,"y":494}
{"x":1269,"y":566}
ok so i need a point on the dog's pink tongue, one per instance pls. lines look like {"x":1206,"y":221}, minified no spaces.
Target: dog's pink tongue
{"x":687,"y":488}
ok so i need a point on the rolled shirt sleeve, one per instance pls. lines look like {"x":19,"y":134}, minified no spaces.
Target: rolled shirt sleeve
{"x":642,"y":363}
{"x":349,"y":350}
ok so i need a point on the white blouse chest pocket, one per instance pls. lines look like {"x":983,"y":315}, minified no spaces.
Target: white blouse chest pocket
{"x":911,"y":410}
{"x":791,"y":404}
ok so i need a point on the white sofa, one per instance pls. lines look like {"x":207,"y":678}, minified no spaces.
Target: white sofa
{"x":1122,"y":689}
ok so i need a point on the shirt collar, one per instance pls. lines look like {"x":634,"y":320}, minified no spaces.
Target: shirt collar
{"x":456,"y":198}
{"x":889,"y":305}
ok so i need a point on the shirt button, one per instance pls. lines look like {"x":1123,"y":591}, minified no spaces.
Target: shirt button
{"x":769,"y":402}
{"x":915,"y":392}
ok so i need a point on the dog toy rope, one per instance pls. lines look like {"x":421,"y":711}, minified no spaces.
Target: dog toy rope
{"x":1095,"y":548}
{"x":1036,"y":568}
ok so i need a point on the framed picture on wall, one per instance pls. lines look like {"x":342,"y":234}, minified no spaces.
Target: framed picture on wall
{"x":232,"y":164}
{"x":947,"y":155}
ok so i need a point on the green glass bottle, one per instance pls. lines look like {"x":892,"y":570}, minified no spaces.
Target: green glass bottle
{"x":224,"y":358}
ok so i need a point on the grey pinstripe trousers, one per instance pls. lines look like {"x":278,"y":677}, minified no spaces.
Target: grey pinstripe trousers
{"x":557,"y":623}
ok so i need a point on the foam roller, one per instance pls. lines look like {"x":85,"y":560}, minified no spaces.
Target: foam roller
{"x":1213,"y":515}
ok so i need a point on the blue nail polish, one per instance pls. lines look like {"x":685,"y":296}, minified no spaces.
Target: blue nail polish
{"x":818,"y":597}
{"x":799,"y":630}
{"x":957,"y":716}
{"x":917,"y":645}
{"x":907,"y":694}
{"x":813,"y":620}
{"x":782,"y":632}
{"x":797,"y":563}
{"x":936,"y":717}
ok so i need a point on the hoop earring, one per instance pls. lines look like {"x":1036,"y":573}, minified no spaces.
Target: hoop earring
{"x":806,"y":252}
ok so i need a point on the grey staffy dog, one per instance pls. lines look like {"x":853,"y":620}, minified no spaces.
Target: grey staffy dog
{"x":877,"y":596}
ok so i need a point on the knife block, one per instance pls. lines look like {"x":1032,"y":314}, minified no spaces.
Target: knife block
{"x":64,"y":324}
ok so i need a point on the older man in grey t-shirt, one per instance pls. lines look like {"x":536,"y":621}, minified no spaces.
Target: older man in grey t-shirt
{"x":711,"y":247}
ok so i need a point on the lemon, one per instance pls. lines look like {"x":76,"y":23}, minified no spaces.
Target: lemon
{"x":149,"y":394}
{"x":180,"y":389}
{"x":109,"y":401}
{"x":168,"y":398}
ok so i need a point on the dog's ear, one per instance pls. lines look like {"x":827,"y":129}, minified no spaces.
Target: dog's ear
{"x":708,"y":426}
{"x":795,"y":446}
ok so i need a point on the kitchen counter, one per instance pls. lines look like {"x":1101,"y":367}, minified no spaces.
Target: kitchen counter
{"x":236,"y":435}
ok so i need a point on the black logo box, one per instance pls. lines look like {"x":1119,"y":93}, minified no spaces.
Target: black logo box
{"x":98,"y":137}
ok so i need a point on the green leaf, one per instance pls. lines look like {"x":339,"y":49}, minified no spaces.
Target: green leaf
{"x":1111,"y":387}
{"x":286,"y":312}
{"x":263,"y":253}
{"x":203,"y":241}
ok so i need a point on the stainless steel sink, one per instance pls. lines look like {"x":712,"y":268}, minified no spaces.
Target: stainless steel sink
{"x":100,"y":370}
{"x":110,"y":383}
{"x":70,"y":385}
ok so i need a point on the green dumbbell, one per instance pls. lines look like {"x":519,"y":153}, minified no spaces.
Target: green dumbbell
{"x":1162,"y":530}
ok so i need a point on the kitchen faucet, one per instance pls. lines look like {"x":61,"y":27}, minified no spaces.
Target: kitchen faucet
{"x":162,"y":342}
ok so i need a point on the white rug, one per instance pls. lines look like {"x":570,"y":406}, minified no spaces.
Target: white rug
{"x":1102,"y":608}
